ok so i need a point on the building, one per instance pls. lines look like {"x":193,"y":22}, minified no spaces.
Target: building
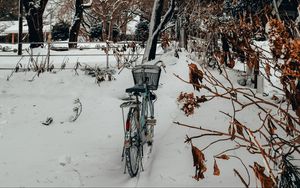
{"x":9,"y":31}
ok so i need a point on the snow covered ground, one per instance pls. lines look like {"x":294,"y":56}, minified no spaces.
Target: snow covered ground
{"x":87,"y":152}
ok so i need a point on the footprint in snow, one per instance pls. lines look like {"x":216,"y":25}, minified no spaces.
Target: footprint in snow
{"x":64,"y":160}
{"x":13,"y":110}
{"x":3,"y":122}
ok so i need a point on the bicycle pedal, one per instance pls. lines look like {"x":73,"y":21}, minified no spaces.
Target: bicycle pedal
{"x":151,"y":121}
{"x":127,"y":144}
{"x":150,"y":143}
{"x":143,"y":138}
{"x":149,"y":139}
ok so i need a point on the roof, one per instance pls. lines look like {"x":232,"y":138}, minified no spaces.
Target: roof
{"x":15,"y":28}
{"x":5,"y":24}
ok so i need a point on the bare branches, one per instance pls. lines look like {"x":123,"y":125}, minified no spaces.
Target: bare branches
{"x":241,"y":178}
{"x":266,"y":141}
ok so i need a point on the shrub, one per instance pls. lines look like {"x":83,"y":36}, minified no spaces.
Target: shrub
{"x":96,"y":31}
{"x":142,"y":31}
{"x":60,"y":31}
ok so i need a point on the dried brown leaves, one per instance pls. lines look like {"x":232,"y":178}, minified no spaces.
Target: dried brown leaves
{"x":190,"y":102}
{"x":216,"y":169}
{"x":236,"y":127}
{"x":283,"y":46}
{"x":199,"y":163}
{"x":165,"y":40}
{"x":278,"y":38}
{"x":195,"y":76}
{"x":268,"y":70}
{"x":224,"y":157}
{"x":266,"y":181}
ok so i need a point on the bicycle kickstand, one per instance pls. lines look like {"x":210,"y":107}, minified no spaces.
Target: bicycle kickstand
{"x":123,"y":160}
{"x":125,"y":168}
{"x":142,"y":166}
{"x":141,"y":159}
{"x":123,"y":154}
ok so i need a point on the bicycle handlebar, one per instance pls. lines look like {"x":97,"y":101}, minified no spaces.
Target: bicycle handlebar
{"x":161,"y":65}
{"x":129,"y":66}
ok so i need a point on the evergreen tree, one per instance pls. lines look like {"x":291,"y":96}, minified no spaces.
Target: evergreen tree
{"x":96,"y":31}
{"x":60,"y":31}
{"x":115,"y":33}
{"x":142,"y":31}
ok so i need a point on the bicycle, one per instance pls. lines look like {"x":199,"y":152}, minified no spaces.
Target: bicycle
{"x":140,"y":122}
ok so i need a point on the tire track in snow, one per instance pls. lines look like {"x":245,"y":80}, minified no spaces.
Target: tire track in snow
{"x":79,"y":176}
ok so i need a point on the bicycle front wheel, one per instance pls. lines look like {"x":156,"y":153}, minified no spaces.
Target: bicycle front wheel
{"x":132,"y":160}
{"x":132,"y":151}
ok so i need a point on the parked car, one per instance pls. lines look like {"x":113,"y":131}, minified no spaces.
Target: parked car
{"x":60,"y":45}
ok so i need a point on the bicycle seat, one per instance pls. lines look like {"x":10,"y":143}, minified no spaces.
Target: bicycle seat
{"x":136,"y":89}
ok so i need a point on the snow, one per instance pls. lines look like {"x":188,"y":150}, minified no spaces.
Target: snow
{"x":14,"y":28}
{"x":6,"y":24}
{"x":131,"y":26}
{"x":88,"y":4}
{"x":87,"y":152}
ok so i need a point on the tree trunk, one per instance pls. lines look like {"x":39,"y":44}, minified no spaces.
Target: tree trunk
{"x":123,"y":24}
{"x":34,"y":16}
{"x":177,"y":29}
{"x":183,"y":38}
{"x":110,"y":30}
{"x":74,"y":31}
{"x":182,"y":34}
{"x":75,"y":28}
{"x":156,"y":25}
{"x":275,"y":6}
{"x":20,"y":27}
{"x":153,"y":36}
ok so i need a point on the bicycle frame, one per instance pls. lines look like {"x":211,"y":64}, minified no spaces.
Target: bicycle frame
{"x":146,"y":102}
{"x":144,"y":107}
{"x":139,"y":125}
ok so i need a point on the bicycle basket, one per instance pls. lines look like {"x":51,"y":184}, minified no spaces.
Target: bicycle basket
{"x":146,"y":74}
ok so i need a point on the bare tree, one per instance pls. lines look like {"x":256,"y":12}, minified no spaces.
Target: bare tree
{"x":9,"y":10}
{"x":108,"y":14}
{"x":114,"y":13}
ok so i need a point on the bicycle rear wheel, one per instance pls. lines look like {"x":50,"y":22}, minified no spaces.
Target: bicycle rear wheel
{"x":132,"y":150}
